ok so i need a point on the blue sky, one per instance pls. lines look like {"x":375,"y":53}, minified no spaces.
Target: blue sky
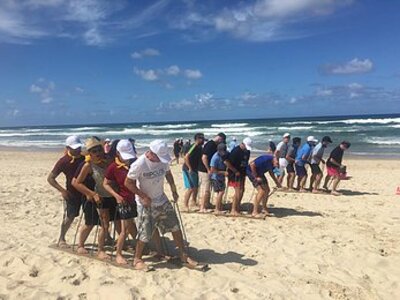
{"x":97,"y":61}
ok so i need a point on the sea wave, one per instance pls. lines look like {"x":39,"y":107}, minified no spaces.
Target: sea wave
{"x":229,"y":125}
{"x":387,"y":141}
{"x":347,"y":121}
{"x":282,"y":128}
{"x":172,"y":126}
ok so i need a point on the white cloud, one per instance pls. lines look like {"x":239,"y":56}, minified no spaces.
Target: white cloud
{"x":79,"y":90}
{"x":355,"y":86}
{"x":193,"y":74}
{"x":324,"y":92}
{"x":260,"y":20}
{"x":44,"y":89}
{"x":146,"y":52}
{"x":293,"y":100}
{"x":148,"y":75}
{"x":13,"y":112}
{"x":173,"y":70}
{"x":354,"y":66}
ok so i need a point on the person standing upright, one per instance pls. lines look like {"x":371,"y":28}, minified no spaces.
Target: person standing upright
{"x":280,"y":155}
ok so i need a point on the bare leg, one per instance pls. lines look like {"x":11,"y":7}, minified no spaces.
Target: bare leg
{"x":177,"y":235}
{"x":259,"y":197}
{"x":236,"y":202}
{"x":83,"y":235}
{"x":303,"y":183}
{"x":66,"y":224}
{"x":120,"y":243}
{"x":194,"y":196}
{"x":312,"y":180}
{"x":327,"y":178}
{"x":205,"y":201}
{"x":336,"y":181}
{"x":105,"y":219}
{"x":317,"y":182}
{"x":291,"y":178}
{"x":218,"y":202}
{"x":186,"y":198}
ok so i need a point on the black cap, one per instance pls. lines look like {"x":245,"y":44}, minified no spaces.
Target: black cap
{"x":326,"y":139}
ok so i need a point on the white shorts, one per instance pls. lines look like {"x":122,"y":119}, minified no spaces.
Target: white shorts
{"x":282,"y":165}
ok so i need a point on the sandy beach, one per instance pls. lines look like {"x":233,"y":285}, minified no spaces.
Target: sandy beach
{"x":317,"y":246}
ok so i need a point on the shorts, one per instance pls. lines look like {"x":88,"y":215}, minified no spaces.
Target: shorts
{"x":190,"y":179}
{"x":218,"y":185}
{"x":300,"y":170}
{"x":257,"y":183}
{"x":290,"y":168}
{"x":234,"y":181}
{"x":205,"y":182}
{"x":315,"y":169}
{"x":72,"y":207}
{"x":111,"y":204}
{"x":283,"y":163}
{"x":333,"y":171}
{"x":127,"y":210}
{"x":162,"y":217}
{"x":177,"y":154}
{"x":90,"y":212}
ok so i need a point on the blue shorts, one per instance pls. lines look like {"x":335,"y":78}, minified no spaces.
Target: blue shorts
{"x":300,"y":171}
{"x":190,"y":179}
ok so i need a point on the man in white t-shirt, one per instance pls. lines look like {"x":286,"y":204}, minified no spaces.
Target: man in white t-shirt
{"x":280,"y":154}
{"x":146,"y":180}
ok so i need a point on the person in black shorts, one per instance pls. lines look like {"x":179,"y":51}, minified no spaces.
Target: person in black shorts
{"x":71,"y":197}
{"x":291,"y":157}
{"x":177,"y":150}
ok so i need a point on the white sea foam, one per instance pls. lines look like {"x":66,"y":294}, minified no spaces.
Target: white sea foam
{"x":348,"y":121}
{"x":170,"y":126}
{"x":282,"y":128}
{"x":388,"y":141}
{"x":229,"y":125}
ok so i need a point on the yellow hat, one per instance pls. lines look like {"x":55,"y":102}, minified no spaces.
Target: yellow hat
{"x":92,"y":142}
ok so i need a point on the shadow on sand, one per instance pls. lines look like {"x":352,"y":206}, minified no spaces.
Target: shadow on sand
{"x":355,"y":193}
{"x":282,"y":212}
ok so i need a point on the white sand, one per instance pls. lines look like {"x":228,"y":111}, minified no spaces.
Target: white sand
{"x":318,"y":246}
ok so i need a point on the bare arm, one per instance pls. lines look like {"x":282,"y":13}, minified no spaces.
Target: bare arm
{"x":204,"y":159}
{"x":253,"y":169}
{"x":51,"y":179}
{"x":131,"y":185}
{"x":108,"y":187}
{"x":230,"y":166}
{"x":290,"y":159}
{"x":271,"y":173}
{"x":187,"y":161}
{"x":79,"y":185}
{"x":335,"y":162}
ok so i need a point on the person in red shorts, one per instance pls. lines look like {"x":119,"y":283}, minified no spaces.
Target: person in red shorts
{"x":237,"y":163}
{"x":115,"y":176}
{"x":334,"y":167}
{"x":68,"y":165}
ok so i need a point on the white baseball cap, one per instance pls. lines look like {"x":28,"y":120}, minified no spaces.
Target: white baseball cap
{"x":125,"y":149}
{"x":73,"y":142}
{"x":312,"y":139}
{"x":287,"y":134}
{"x":160,"y":148}
{"x":248,"y":142}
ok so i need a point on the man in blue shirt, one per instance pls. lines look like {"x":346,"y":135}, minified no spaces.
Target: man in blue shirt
{"x":218,"y":173}
{"x":256,"y":173}
{"x":302,"y":158}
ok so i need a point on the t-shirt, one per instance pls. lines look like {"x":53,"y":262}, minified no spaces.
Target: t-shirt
{"x":282,"y":147}
{"x":118,"y":175}
{"x":305,"y":150}
{"x":217,"y":161}
{"x":68,"y":166}
{"x":317,"y":154}
{"x":232,"y":145}
{"x":209,"y":149}
{"x":150,"y":179}
{"x":292,"y":151}
{"x":263,"y":164}
{"x":185,"y":148}
{"x":195,"y":153}
{"x":239,"y":158}
{"x":337,"y":155}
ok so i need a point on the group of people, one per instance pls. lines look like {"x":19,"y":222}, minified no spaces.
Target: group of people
{"x":207,"y":165}
{"x":111,"y":184}
{"x":119,"y":187}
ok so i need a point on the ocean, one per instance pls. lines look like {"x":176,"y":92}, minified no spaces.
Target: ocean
{"x":372,"y":135}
